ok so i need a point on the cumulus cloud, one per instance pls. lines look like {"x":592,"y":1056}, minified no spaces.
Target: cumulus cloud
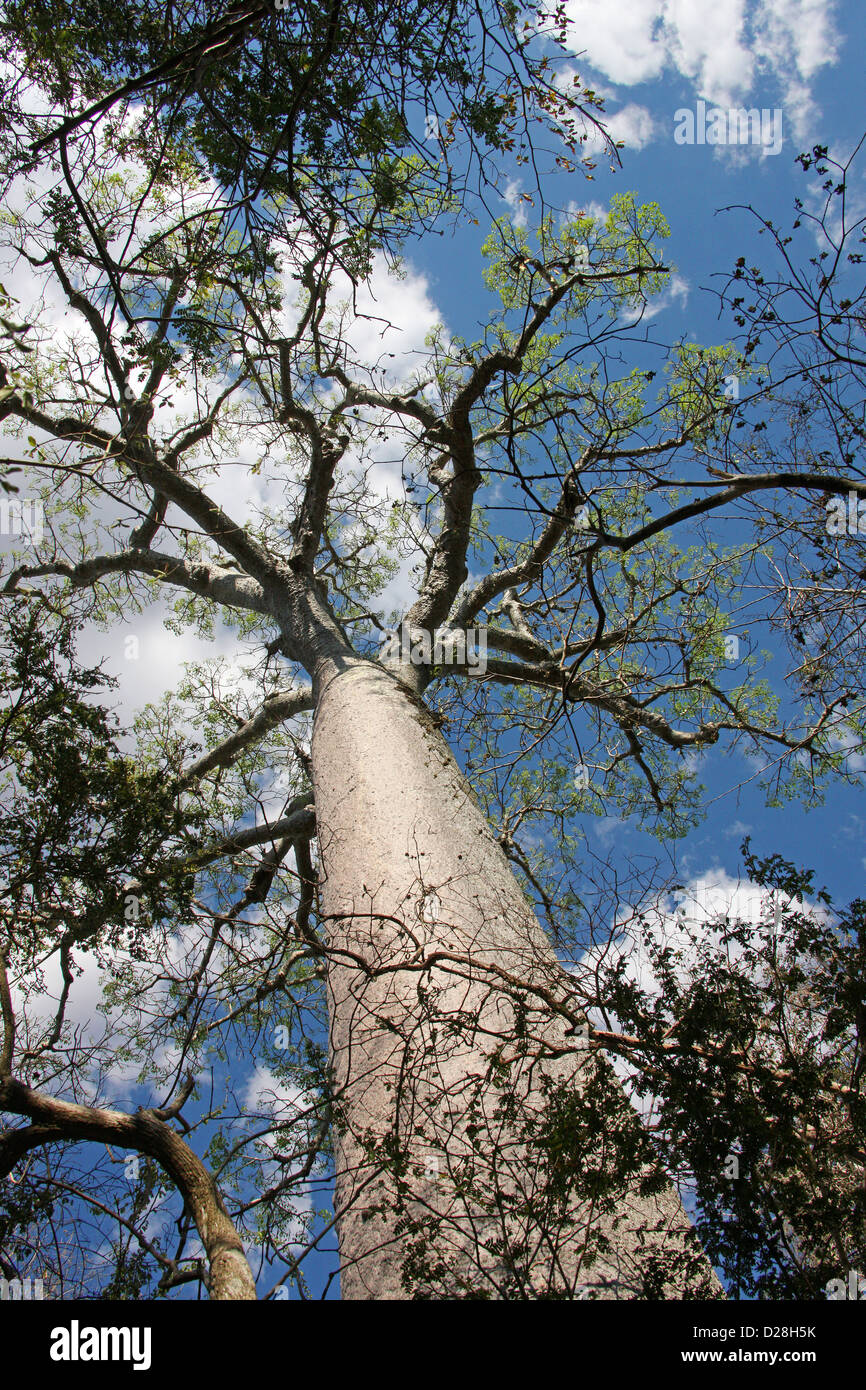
{"x":513,"y":195}
{"x":624,"y":41}
{"x":846,"y":740}
{"x":634,"y":125}
{"x":265,"y":1092}
{"x":677,"y":293}
{"x":726,"y":51}
{"x":144,"y":656}
{"x":697,"y":912}
{"x":395,"y":312}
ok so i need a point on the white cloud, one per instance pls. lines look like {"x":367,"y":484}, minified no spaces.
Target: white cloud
{"x":708,"y":45}
{"x":513,"y":196}
{"x":146,"y":676}
{"x":597,"y":211}
{"x":390,"y":315}
{"x":677,"y":292}
{"x":265,"y":1092}
{"x":804,"y":27}
{"x":737,"y":828}
{"x":696,"y":912}
{"x":84,"y":997}
{"x":727,"y":51}
{"x":606,"y":827}
{"x":848,"y":741}
{"x":86,"y":1018}
{"x":622,"y":40}
{"x":633,"y":124}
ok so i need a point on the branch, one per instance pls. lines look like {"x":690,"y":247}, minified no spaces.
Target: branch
{"x":164,"y":478}
{"x":223,"y":586}
{"x":225,"y":38}
{"x":145,"y":1132}
{"x":8,"y":1015}
{"x":738,"y":486}
{"x":274,"y":711}
{"x":300,"y":821}
{"x":623,"y":707}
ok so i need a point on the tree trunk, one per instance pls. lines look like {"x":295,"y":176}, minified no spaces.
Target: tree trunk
{"x":479,"y":1151}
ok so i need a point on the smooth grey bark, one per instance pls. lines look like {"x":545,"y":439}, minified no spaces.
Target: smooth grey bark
{"x":457,"y":1070}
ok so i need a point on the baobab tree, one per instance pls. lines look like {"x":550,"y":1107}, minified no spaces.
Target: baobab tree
{"x":483,"y":1146}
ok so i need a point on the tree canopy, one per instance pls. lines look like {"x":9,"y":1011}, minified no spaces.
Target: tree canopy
{"x":207,"y":193}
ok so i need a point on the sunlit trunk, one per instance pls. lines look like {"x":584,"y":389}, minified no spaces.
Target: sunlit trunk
{"x":475,"y":1139}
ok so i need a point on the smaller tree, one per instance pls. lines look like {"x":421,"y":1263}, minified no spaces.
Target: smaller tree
{"x":745,"y":1045}
{"x":78,"y":822}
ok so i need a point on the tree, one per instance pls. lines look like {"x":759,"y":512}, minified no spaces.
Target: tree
{"x":483,"y":1146}
{"x":77,"y":814}
{"x":750,"y":1039}
{"x":293,"y":107}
